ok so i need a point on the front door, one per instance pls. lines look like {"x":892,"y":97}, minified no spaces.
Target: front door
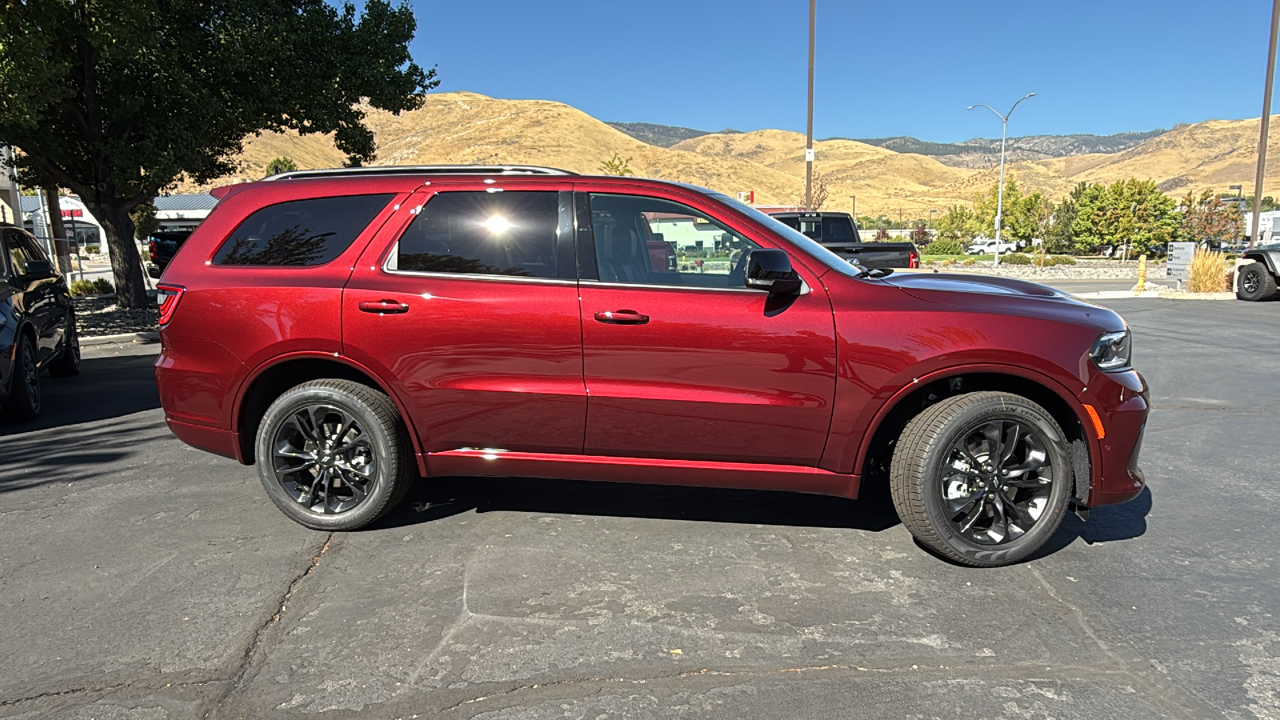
{"x":467,"y":303}
{"x":681,"y":361}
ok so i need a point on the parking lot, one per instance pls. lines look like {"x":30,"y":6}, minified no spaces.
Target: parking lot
{"x":143,"y":578}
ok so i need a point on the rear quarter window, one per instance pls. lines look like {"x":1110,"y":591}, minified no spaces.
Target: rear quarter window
{"x":300,"y":233}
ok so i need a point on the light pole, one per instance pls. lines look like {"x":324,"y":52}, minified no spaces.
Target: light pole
{"x":1256,"y":230}
{"x":808,"y":135}
{"x":1004,"y":134}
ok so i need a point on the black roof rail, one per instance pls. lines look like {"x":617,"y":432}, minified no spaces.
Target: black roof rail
{"x":421,"y":170}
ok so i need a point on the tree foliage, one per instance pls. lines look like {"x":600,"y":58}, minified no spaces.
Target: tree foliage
{"x":117,"y":99}
{"x":282,"y":164}
{"x":144,"y":220}
{"x":1208,"y":217}
{"x":617,"y":166}
{"x":959,"y":223}
{"x":1128,"y":211}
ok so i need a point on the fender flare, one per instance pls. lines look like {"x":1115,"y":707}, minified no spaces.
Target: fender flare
{"x":873,"y":426}
{"x":237,"y":407}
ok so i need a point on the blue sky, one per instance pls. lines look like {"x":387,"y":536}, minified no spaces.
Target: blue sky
{"x":901,"y":67}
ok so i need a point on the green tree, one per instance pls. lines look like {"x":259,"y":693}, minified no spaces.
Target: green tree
{"x":920,"y":235}
{"x":617,"y":166}
{"x":282,"y":164}
{"x":958,"y":223}
{"x":116,"y":100}
{"x":1128,"y":211}
{"x":144,"y":220}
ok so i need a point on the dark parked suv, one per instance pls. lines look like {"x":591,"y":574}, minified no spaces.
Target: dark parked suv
{"x":351,"y":330}
{"x":37,"y":324}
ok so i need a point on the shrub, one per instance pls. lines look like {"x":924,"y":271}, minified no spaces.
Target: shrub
{"x":947,"y":263}
{"x":968,"y":262}
{"x":1051,"y":260}
{"x":945,"y":247}
{"x":92,"y":249}
{"x":99,"y":286}
{"x":1209,"y":272}
{"x":1015,"y":259}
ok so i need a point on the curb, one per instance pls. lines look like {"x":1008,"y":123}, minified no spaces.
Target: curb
{"x":141,"y":337}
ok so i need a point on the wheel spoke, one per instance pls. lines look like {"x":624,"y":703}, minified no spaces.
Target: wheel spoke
{"x":1011,"y":445}
{"x":994,"y":433}
{"x":1000,"y":521}
{"x":968,"y":520}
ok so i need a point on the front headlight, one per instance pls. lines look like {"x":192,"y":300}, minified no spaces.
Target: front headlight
{"x":1112,"y":350}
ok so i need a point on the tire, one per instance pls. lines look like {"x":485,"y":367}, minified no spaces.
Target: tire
{"x":334,"y":489}
{"x":929,"y":485}
{"x":68,"y":362}
{"x":1255,"y":283}
{"x":24,"y":386}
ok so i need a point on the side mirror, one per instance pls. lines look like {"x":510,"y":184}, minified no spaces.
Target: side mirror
{"x":39,"y":270}
{"x":770,"y":269}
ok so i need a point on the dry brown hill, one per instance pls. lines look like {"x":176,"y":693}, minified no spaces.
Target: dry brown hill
{"x":463,"y":127}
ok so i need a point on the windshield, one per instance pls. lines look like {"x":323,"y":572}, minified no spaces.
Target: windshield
{"x":795,"y":237}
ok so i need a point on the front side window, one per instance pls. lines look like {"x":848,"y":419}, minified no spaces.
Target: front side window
{"x":511,"y":233}
{"x":300,"y":233}
{"x":648,"y":241}
{"x":22,"y":250}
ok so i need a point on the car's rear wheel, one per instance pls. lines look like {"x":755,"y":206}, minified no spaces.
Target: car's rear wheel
{"x":68,"y":362}
{"x":1255,"y":282}
{"x":24,"y":390}
{"x":334,"y":454}
{"x":982,"y":478}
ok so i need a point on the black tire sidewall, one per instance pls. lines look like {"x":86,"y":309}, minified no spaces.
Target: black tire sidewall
{"x":22,"y":405}
{"x":1059,"y":497}
{"x":1254,"y":269}
{"x":386,"y":446}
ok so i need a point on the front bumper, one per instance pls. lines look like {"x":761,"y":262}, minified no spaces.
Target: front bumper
{"x":1122,"y":401}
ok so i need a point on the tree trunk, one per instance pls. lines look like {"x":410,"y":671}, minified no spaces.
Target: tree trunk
{"x":126,"y":264}
{"x":58,"y":231}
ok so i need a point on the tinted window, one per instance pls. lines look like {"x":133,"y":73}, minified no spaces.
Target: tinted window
{"x":648,"y":241}
{"x":302,"y":232}
{"x":481,"y":233}
{"x":837,"y":229}
{"x":22,"y":249}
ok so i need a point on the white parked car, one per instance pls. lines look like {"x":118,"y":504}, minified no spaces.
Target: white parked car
{"x":986,"y":246}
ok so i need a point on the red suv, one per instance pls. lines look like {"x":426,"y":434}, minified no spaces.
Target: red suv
{"x":351,"y":330}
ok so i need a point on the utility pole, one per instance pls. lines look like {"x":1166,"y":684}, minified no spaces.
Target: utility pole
{"x":1266,"y":121}
{"x":808,"y":135}
{"x":853,"y":207}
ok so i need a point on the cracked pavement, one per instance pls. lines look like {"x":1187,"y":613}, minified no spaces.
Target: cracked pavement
{"x":145,"y":579}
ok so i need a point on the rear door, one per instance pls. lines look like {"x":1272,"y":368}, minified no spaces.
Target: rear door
{"x":467,"y":303}
{"x":42,"y":303}
{"x":688,"y":363}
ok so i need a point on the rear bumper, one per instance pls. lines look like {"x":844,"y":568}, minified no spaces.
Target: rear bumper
{"x":218,"y":442}
{"x":1122,"y":402}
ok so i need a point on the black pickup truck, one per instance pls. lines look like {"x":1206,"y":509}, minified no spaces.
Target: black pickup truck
{"x":161,"y":248}
{"x":838,"y":232}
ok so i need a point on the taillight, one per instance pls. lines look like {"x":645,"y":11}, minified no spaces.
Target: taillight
{"x":913,"y":260}
{"x":167,"y":296}
{"x":151,"y":250}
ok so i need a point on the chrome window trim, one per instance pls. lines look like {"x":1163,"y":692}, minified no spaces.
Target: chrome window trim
{"x":804,"y":288}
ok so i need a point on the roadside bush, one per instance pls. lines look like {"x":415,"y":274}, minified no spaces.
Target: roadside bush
{"x":100,"y":286}
{"x":1051,"y":260}
{"x":92,"y":249}
{"x":1015,"y":259}
{"x":1209,"y":272}
{"x":944,"y":247}
{"x":947,"y":263}
{"x":969,"y":262}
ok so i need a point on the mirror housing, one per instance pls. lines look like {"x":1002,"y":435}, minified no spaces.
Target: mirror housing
{"x":770,"y":269}
{"x":39,"y":270}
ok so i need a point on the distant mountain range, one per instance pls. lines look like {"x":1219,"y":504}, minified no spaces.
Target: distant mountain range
{"x":895,"y":176}
{"x":975,"y":153}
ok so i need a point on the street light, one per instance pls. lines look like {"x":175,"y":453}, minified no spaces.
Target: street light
{"x":1004,"y":134}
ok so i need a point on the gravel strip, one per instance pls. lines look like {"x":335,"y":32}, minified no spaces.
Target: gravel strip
{"x":98,"y":315}
{"x":1083,"y":269}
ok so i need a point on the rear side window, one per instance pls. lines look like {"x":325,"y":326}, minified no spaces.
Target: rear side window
{"x":300,"y":233}
{"x":482,"y":233}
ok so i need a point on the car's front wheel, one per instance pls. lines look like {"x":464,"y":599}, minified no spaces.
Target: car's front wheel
{"x":334,"y":454}
{"x":1255,"y":282}
{"x":982,"y":478}
{"x":68,"y":360}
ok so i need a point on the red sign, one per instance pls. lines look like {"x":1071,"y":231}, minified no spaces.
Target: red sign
{"x":72,"y":213}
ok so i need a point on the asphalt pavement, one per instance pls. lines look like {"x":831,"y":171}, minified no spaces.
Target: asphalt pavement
{"x":142,"y":578}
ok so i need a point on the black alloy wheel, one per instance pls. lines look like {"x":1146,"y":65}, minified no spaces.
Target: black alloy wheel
{"x":68,"y":361}
{"x":982,"y":478}
{"x":997,"y":480}
{"x":24,"y":391}
{"x":334,"y":454}
{"x":323,"y":458}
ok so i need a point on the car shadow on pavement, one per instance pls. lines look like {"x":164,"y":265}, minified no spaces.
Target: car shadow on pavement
{"x":107,"y":387}
{"x":433,"y":499}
